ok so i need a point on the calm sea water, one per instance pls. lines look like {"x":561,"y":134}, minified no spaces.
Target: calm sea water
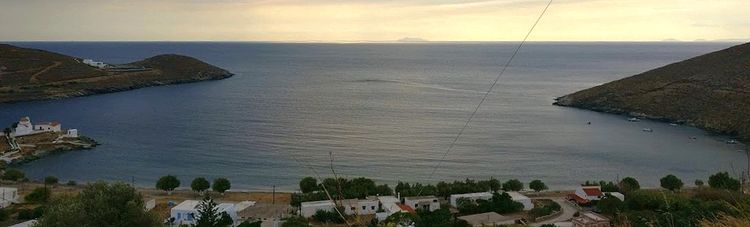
{"x":385,"y":111}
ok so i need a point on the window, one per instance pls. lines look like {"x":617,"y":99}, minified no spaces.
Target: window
{"x":352,"y":208}
{"x":373,"y":207}
{"x":364,"y":207}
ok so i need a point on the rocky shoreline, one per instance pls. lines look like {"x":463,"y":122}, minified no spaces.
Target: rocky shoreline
{"x":708,"y":92}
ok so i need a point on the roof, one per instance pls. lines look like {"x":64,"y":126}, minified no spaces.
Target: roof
{"x":357,"y":201}
{"x":25,"y":224}
{"x":593,"y":191}
{"x":578,"y":199}
{"x":54,"y":123}
{"x":187,"y":205}
{"x":517,"y":196}
{"x":486,"y":218}
{"x":317,"y":203}
{"x":406,"y":208}
{"x":476,"y":194}
{"x":421,"y":197}
{"x":388,"y":199}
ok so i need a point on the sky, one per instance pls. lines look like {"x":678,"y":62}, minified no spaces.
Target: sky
{"x":376,"y":20}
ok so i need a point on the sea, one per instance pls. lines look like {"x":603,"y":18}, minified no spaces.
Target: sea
{"x":386,"y":111}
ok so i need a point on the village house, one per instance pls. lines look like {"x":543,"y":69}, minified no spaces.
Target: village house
{"x":585,"y":194}
{"x":422,"y":202}
{"x":186,"y":212}
{"x":590,"y":219}
{"x":469,"y":196}
{"x":518,"y":197}
{"x":8,"y":196}
{"x":389,"y":206}
{"x":96,"y":64}
{"x":360,"y":206}
{"x":48,"y":127}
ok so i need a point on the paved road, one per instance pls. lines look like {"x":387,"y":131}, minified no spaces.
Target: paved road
{"x":567,"y":208}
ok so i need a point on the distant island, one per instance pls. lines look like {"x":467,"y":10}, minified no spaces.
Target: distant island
{"x":412,"y":40}
{"x":711,"y":91}
{"x":30,"y":74}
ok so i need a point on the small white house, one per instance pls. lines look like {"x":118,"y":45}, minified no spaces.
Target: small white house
{"x":422,"y":202}
{"x":590,"y":193}
{"x":93,"y":63}
{"x":360,"y":206}
{"x":24,"y":127}
{"x":8,"y":196}
{"x":518,"y":197}
{"x":48,"y":127}
{"x":187,"y":212}
{"x":308,"y":209}
{"x":470,"y":196}
{"x":390,"y":206}
{"x":72,"y":133}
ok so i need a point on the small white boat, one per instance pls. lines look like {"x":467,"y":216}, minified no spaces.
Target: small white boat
{"x":647,"y":130}
{"x":673,"y":124}
{"x":731,"y":141}
{"x":634,"y":119}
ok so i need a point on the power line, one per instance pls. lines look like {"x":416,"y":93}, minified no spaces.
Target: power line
{"x":486,"y":94}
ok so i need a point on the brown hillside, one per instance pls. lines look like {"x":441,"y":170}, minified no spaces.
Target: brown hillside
{"x":31,"y":74}
{"x":711,"y":91}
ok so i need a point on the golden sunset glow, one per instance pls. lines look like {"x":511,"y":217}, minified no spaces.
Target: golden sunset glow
{"x":357,"y":20}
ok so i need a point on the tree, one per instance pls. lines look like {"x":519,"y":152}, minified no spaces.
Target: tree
{"x":99,"y":204}
{"x":537,"y":185}
{"x":495,"y":184}
{"x":722,"y":180}
{"x":225,"y":220}
{"x":200,"y":184}
{"x":308,"y":184}
{"x":671,"y":182}
{"x":629,"y":184}
{"x":610,"y":205}
{"x":512,"y":185}
{"x":325,"y":216}
{"x":13,"y":175}
{"x":168,"y":183}
{"x":38,"y":195}
{"x":51,"y":180}
{"x":221,"y":185}
{"x":207,"y":215}
{"x":699,"y":183}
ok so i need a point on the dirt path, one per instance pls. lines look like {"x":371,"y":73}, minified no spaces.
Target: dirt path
{"x":567,"y":211}
{"x":33,"y":78}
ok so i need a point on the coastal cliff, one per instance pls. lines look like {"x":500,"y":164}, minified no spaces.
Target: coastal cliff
{"x":711,"y":91}
{"x":31,"y":74}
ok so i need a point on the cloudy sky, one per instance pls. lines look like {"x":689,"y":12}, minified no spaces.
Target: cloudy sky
{"x":376,"y":20}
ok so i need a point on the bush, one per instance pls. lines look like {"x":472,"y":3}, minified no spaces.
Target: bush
{"x":537,"y":185}
{"x":610,"y":205}
{"x":221,"y":185}
{"x":671,"y":182}
{"x":722,"y":180}
{"x":250,"y":224}
{"x":629,"y":184}
{"x":39,"y":195}
{"x":71,"y":183}
{"x":308,"y":184}
{"x":13,"y":175}
{"x":325,"y":216}
{"x":698,"y":183}
{"x":168,"y":183}
{"x":51,"y":180}
{"x":512,"y":185}
{"x":200,"y":184}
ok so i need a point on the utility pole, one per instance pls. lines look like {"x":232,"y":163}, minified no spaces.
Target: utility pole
{"x":273,"y":195}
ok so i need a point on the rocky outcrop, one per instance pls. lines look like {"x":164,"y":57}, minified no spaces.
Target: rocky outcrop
{"x":711,"y":91}
{"x":30,"y":74}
